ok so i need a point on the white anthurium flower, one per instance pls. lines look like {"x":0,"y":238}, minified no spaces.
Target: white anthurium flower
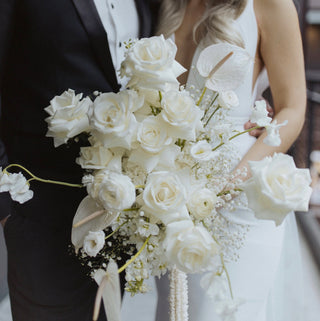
{"x":202,"y":151}
{"x":228,"y":99}
{"x":113,"y":190}
{"x":201,"y":203}
{"x":273,"y":137}
{"x":94,"y":242}
{"x":165,"y":194}
{"x":101,"y":219}
{"x":181,"y":115}
{"x":259,"y":114}
{"x":68,"y":116}
{"x":191,"y":248}
{"x":277,"y":187}
{"x":150,"y":63}
{"x":224,"y":66}
{"x":113,"y":122}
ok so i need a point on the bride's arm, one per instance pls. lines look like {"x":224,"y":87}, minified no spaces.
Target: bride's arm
{"x":281,"y":50}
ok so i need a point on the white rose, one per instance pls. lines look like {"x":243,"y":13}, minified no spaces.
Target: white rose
{"x":201,"y":203}
{"x":202,"y":151}
{"x":94,"y":157}
{"x":113,"y":121}
{"x":152,"y":135}
{"x":114,"y":191}
{"x":191,"y":248}
{"x":277,"y":187}
{"x":68,"y":116}
{"x":150,"y":63}
{"x":164,"y":194}
{"x":228,"y":99}
{"x":181,"y":114}
{"x":94,"y":242}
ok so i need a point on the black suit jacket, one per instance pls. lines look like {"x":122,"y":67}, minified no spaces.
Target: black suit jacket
{"x":47,"y":47}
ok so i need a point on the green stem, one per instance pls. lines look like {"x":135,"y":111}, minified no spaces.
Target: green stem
{"x":236,"y":135}
{"x":116,"y":230}
{"x":207,"y":122}
{"x":201,"y":97}
{"x":135,"y":256}
{"x":42,"y":180}
{"x":208,"y":108}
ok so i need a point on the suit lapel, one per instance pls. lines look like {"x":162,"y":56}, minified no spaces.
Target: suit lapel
{"x":98,"y":38}
{"x":145,"y":19}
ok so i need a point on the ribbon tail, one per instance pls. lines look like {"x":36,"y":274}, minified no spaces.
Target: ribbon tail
{"x":109,"y":291}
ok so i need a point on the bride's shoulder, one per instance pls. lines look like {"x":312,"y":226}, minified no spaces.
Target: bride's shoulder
{"x":272,"y":14}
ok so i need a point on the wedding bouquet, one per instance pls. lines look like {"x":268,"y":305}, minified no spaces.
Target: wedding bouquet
{"x":159,"y":168}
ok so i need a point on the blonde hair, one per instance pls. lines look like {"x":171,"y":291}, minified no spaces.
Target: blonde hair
{"x":215,"y":25}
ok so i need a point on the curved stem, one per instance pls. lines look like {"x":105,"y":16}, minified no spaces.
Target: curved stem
{"x":41,"y":179}
{"x":135,"y":256}
{"x":116,"y":230}
{"x":236,"y":135}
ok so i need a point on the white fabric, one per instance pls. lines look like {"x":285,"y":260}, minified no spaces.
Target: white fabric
{"x":268,"y":274}
{"x":121,"y":22}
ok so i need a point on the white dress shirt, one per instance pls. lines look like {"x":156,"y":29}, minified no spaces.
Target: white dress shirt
{"x":121,"y":22}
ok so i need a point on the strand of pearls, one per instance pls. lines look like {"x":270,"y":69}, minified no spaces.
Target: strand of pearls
{"x":178,"y":296}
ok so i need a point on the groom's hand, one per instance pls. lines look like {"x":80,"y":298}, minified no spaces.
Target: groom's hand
{"x":258,"y":132}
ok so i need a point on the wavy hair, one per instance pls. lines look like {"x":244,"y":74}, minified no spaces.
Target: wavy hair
{"x":215,"y":25}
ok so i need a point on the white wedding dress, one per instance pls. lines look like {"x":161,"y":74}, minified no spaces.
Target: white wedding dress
{"x":268,"y":274}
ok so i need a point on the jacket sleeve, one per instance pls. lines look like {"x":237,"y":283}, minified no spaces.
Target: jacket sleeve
{"x":6,"y":30}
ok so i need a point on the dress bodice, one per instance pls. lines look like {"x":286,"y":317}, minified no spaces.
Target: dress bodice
{"x":247,"y":27}
{"x":247,"y":92}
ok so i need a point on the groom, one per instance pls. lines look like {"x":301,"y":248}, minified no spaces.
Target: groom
{"x":46,"y":47}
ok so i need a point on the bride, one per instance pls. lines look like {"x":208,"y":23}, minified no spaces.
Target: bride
{"x":267,"y":273}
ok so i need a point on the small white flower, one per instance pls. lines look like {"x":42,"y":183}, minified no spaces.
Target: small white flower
{"x":259,"y":114}
{"x":228,"y":99}
{"x":94,"y":242}
{"x":202,"y":151}
{"x":68,"y":116}
{"x":17,"y":185}
{"x":201,"y":203}
{"x":273,"y":138}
